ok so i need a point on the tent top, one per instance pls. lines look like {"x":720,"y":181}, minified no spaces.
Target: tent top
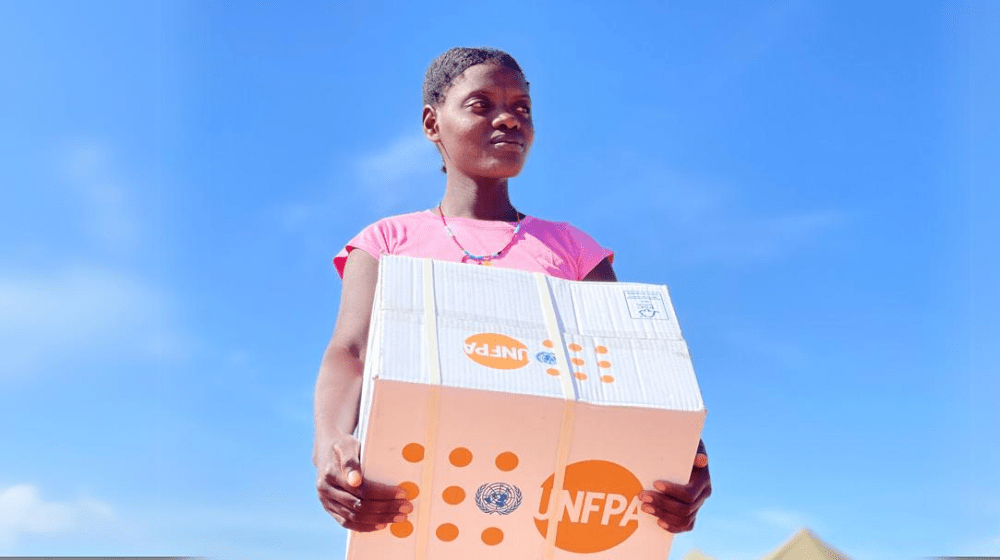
{"x":805,"y":545}
{"x":696,"y":554}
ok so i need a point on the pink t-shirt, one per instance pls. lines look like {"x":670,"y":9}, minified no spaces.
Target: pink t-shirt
{"x":555,"y":248}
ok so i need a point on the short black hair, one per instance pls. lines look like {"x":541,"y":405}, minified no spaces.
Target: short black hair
{"x":450,"y":65}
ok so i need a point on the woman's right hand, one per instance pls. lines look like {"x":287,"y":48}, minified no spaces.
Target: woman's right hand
{"x":355,"y":502}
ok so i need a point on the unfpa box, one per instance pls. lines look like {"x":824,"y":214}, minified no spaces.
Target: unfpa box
{"x":522,"y":414}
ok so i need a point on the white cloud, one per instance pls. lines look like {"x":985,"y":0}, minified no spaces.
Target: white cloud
{"x":24,"y":512}
{"x":705,"y":220}
{"x":403,"y":176}
{"x":406,"y":156}
{"x":402,"y":171}
{"x":77,"y":311}
{"x":89,"y":168}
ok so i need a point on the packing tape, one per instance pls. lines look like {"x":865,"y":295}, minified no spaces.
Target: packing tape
{"x":430,"y":325}
{"x":433,"y":411}
{"x":566,"y":425}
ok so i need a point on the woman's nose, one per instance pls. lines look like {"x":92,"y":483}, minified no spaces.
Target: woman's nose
{"x":506,"y":120}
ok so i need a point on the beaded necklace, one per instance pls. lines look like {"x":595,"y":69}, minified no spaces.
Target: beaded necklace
{"x":480,"y":259}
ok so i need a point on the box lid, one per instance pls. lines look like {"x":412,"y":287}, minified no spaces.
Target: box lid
{"x":486,"y":328}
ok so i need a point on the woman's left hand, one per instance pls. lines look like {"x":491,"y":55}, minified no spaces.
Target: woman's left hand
{"x":676,"y":505}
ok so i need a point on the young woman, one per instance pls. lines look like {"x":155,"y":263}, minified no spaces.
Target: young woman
{"x":477,"y":111}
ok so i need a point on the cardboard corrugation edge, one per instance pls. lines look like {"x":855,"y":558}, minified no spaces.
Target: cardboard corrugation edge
{"x":372,"y":355}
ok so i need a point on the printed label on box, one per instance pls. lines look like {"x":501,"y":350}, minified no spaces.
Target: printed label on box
{"x":646,"y":305}
{"x":600,"y":507}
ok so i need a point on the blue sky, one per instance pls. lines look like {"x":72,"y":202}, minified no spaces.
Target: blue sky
{"x":809,"y":178}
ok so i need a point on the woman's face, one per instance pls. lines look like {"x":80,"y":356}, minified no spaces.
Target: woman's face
{"x":483,"y":126}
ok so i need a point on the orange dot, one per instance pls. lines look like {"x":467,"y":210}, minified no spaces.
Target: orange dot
{"x":604,"y":364}
{"x":547,"y":343}
{"x":460,"y":457}
{"x":453,"y":495}
{"x":507,"y":461}
{"x":580,"y":375}
{"x":601,"y":349}
{"x":492,"y":536}
{"x":607,"y":379}
{"x":575,"y":347}
{"x":411,"y":489}
{"x":552,"y":371}
{"x":577,"y":361}
{"x":401,"y":530}
{"x":413,"y":452}
{"x":447,"y":532}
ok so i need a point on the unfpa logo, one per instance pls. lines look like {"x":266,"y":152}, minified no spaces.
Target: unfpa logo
{"x":600,"y":507}
{"x":499,"y":351}
{"x":496,"y":351}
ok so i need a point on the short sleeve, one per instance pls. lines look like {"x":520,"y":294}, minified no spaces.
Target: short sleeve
{"x":371,"y":240}
{"x":589,"y":252}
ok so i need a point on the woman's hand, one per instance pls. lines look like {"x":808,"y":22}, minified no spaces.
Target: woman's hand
{"x":676,"y":505}
{"x":356,"y":503}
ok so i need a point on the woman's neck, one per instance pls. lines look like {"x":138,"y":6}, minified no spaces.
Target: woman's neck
{"x":481,"y":200}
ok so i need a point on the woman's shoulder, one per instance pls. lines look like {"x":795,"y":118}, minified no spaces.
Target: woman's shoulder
{"x":419,"y":217}
{"x":570,"y":243}
{"x":557,"y":228}
{"x":385,"y":236}
{"x":388,"y":233}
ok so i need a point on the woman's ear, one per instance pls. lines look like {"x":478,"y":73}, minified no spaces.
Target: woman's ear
{"x":430,"y":123}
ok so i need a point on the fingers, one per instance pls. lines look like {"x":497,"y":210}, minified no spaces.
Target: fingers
{"x":362,"y":514}
{"x":681,"y":528}
{"x":676,"y":505}
{"x":367,"y":513}
{"x":354,"y":478}
{"x":339,"y":466}
{"x":355,"y":502}
{"x":350,"y":467}
{"x":366,"y":506}
{"x":698,"y":488}
{"x":371,"y":490}
{"x":672,"y":514}
{"x":350,"y":478}
{"x":673,"y":522}
{"x":362,"y":523}
{"x":701,"y":460}
{"x":682,"y":503}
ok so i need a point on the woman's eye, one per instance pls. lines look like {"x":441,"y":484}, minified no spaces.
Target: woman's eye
{"x":479,"y":104}
{"x":524,"y":109}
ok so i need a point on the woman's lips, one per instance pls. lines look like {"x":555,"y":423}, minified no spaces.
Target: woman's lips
{"x":508,"y":143}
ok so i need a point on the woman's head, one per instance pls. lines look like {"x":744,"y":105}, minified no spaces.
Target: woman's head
{"x":478,"y":112}
{"x":449,"y":65}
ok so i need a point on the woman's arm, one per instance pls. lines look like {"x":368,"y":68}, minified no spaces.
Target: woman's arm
{"x":354,"y":502}
{"x":603,"y":272}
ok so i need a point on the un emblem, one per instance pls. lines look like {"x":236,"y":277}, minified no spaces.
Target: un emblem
{"x":498,"y":497}
{"x":546,"y":358}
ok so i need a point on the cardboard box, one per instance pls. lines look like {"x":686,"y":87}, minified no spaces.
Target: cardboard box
{"x":484,"y":388}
